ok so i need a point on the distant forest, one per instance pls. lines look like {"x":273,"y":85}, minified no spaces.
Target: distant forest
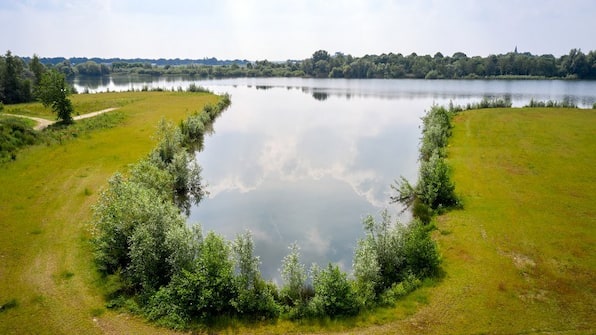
{"x":18,"y":73}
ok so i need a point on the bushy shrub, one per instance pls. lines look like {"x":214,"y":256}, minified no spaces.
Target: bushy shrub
{"x":390,"y":253}
{"x":421,"y":254}
{"x":399,"y":290}
{"x":148,"y":175}
{"x":422,"y":211}
{"x":293,"y":274}
{"x":255,"y":298}
{"x":334,"y":293}
{"x":434,"y":190}
{"x":435,"y":187}
{"x":436,"y":131}
{"x":200,"y":293}
{"x":490,"y":103}
{"x":566,"y":103}
{"x":130,"y":227}
{"x":367,"y":271}
{"x":197,"y":89}
{"x":193,"y":129}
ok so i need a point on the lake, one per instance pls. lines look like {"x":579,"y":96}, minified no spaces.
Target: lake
{"x":305,"y":160}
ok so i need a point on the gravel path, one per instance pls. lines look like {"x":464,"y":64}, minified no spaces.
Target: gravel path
{"x":44,"y":123}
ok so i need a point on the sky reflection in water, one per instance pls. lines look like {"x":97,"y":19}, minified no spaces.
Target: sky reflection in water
{"x":293,"y":168}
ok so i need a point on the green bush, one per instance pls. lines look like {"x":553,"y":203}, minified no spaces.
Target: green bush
{"x":390,"y":253}
{"x":293,"y":274}
{"x":399,"y":290}
{"x":255,"y":298}
{"x":195,"y":88}
{"x":367,"y":271}
{"x":490,"y":103}
{"x":131,"y":226}
{"x":435,"y":187}
{"x":420,"y":251}
{"x":15,"y":133}
{"x":434,"y":190}
{"x":334,"y":293}
{"x":435,"y":132}
{"x":566,"y":103}
{"x":422,"y":211}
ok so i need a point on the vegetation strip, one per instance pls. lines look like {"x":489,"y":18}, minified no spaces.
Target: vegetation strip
{"x":512,"y":65}
{"x":181,"y":278}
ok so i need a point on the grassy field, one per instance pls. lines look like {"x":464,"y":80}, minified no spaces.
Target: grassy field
{"x":518,"y":259}
{"x":47,"y":278}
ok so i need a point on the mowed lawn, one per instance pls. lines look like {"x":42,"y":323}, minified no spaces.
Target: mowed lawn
{"x":520,"y":258}
{"x":47,"y":280}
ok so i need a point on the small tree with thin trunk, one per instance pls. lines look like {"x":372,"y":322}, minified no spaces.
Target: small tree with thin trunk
{"x":53,"y":92}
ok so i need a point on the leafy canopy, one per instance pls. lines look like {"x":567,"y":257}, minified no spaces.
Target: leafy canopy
{"x":53,"y":92}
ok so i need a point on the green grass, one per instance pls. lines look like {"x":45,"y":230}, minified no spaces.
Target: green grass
{"x":30,"y":123}
{"x":82,"y":103}
{"x":518,"y":259}
{"x":45,"y":203}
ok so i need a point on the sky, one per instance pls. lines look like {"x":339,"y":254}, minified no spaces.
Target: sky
{"x":279,"y":30}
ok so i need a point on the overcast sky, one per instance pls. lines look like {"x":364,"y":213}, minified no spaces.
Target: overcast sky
{"x":281,"y":30}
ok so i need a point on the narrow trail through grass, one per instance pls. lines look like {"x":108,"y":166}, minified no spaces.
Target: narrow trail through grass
{"x":44,"y":123}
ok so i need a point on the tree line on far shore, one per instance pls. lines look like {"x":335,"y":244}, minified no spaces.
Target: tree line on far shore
{"x":512,"y":65}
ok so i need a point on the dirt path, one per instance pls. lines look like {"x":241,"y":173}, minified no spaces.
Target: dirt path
{"x":44,"y":123}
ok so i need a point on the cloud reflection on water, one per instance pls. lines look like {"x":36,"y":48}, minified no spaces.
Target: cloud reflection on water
{"x":291,"y":168}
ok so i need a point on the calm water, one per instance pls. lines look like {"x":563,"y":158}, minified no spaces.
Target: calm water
{"x":306,"y":159}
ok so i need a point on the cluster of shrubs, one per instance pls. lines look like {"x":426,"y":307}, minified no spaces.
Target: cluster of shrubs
{"x":485,"y":102}
{"x":179,"y":277}
{"x":434,"y":191}
{"x":566,"y":103}
{"x":194,"y":88}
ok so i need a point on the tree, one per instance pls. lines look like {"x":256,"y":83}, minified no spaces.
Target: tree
{"x":53,"y":92}
{"x":366,"y":269}
{"x":293,"y":273}
{"x":14,"y":86}
{"x":255,"y":298}
{"x":575,"y":64}
{"x":435,"y":188}
{"x":334,"y":294}
{"x":37,"y":68}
